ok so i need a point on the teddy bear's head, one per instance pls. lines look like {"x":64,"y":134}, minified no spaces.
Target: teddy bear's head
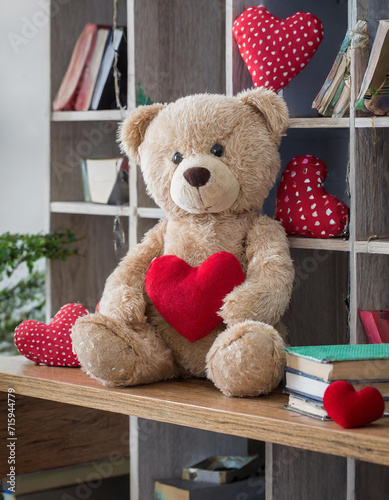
{"x":208,"y":153}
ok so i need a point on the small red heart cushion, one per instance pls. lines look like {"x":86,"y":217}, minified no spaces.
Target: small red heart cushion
{"x":190,"y":297}
{"x":50,"y":344}
{"x":350,"y":408}
{"x":303,"y":205}
{"x":276,"y":50}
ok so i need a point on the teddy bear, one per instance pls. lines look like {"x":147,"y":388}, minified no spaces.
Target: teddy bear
{"x":209,"y":161}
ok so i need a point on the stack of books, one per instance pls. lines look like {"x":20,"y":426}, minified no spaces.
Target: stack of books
{"x":374,"y":93}
{"x":311,"y":369}
{"x":89,"y":79}
{"x":334,"y":96}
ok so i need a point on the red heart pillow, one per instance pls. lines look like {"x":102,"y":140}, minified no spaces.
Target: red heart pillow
{"x":276,"y":50}
{"x":350,"y":408}
{"x":190,"y":297}
{"x":50,"y":344}
{"x":303,"y":205}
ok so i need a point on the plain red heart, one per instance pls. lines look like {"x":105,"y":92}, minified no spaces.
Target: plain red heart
{"x":189,"y":297}
{"x":276,"y":50}
{"x":303,"y":205}
{"x":50,"y":344}
{"x":350,"y":408}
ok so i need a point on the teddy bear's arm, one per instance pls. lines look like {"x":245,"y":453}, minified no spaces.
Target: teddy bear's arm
{"x":265,"y":293}
{"x":123,"y":296}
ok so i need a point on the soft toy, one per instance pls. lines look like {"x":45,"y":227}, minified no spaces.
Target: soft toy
{"x":276,"y":50}
{"x":209,"y":161}
{"x":350,"y":408}
{"x":50,"y":344}
{"x":304,"y":206}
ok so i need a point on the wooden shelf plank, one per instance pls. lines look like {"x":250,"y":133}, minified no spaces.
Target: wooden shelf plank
{"x":368,"y":122}
{"x":151,"y":213}
{"x":198,"y":404}
{"x":87,"y":116}
{"x":320,"y":244}
{"x":319,"y":122}
{"x":373,"y":246}
{"x":84,"y":208}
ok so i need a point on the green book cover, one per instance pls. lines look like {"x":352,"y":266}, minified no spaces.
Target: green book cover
{"x":347,"y":352}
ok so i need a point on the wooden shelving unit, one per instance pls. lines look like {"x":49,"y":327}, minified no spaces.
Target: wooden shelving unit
{"x":198,"y":404}
{"x":178,"y":47}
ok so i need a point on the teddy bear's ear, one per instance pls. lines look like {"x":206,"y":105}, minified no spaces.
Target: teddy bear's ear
{"x":133,"y":129}
{"x":271,"y":106}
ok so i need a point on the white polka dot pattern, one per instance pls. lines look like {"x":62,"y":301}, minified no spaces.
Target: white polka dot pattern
{"x":303,"y":205}
{"x":276,"y":50}
{"x":50,"y":344}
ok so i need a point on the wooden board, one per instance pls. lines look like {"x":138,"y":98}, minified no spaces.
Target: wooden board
{"x":372,"y":186}
{"x":51,"y":434}
{"x":177,"y":53}
{"x":164,"y":449}
{"x":82,"y":278}
{"x":372,"y":287}
{"x":317,"y":313}
{"x":198,"y":404}
{"x":371,"y":481}
{"x":299,"y":474}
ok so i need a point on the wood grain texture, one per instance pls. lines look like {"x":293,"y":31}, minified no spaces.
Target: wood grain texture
{"x":71,"y":142}
{"x":177,"y":52}
{"x":241,"y":78}
{"x":198,"y":404}
{"x":371,"y":481}
{"x":372,"y":287}
{"x":304,"y":475}
{"x":317,"y":313}
{"x":164,"y":449}
{"x":51,"y":434}
{"x":82,"y":278}
{"x":372,"y":185}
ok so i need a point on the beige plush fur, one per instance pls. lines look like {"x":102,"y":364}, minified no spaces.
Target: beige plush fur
{"x":128,"y":342}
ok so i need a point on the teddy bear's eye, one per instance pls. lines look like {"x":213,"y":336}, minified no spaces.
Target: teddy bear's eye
{"x":217,"y":150}
{"x":177,"y":158}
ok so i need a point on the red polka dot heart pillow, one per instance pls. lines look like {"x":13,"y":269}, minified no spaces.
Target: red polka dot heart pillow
{"x":303,"y":205}
{"x":276,"y":50}
{"x":50,"y":344}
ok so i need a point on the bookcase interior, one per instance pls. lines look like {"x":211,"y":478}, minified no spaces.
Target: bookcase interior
{"x":301,"y":91}
{"x":182,"y":47}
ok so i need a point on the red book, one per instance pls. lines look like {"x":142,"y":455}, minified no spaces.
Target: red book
{"x":376,"y":325}
{"x":91,"y":70}
{"x":82,"y":53}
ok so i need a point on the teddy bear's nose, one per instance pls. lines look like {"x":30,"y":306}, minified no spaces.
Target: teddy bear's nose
{"x":197,"y":176}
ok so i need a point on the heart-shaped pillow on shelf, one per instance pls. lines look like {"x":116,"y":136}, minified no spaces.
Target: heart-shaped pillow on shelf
{"x":303,"y":205}
{"x":190,"y":297}
{"x":50,"y":344}
{"x":350,"y":408}
{"x":276,"y":50}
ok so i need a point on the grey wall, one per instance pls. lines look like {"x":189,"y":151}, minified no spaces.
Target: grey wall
{"x":24,"y":108}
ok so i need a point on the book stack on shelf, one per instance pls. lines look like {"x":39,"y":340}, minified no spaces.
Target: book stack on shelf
{"x":89,"y":82}
{"x":374,"y":93}
{"x":311,"y":369}
{"x":334,"y":96}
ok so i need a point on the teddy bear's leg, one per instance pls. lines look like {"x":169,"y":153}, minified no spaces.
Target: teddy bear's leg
{"x":247,"y":359}
{"x":119,"y":354}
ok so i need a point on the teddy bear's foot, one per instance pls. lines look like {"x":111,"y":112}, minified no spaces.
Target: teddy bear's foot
{"x":119,"y":355}
{"x":247,"y":359}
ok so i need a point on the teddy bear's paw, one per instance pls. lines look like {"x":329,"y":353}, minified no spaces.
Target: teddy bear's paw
{"x":117,"y":355}
{"x":247,"y":359}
